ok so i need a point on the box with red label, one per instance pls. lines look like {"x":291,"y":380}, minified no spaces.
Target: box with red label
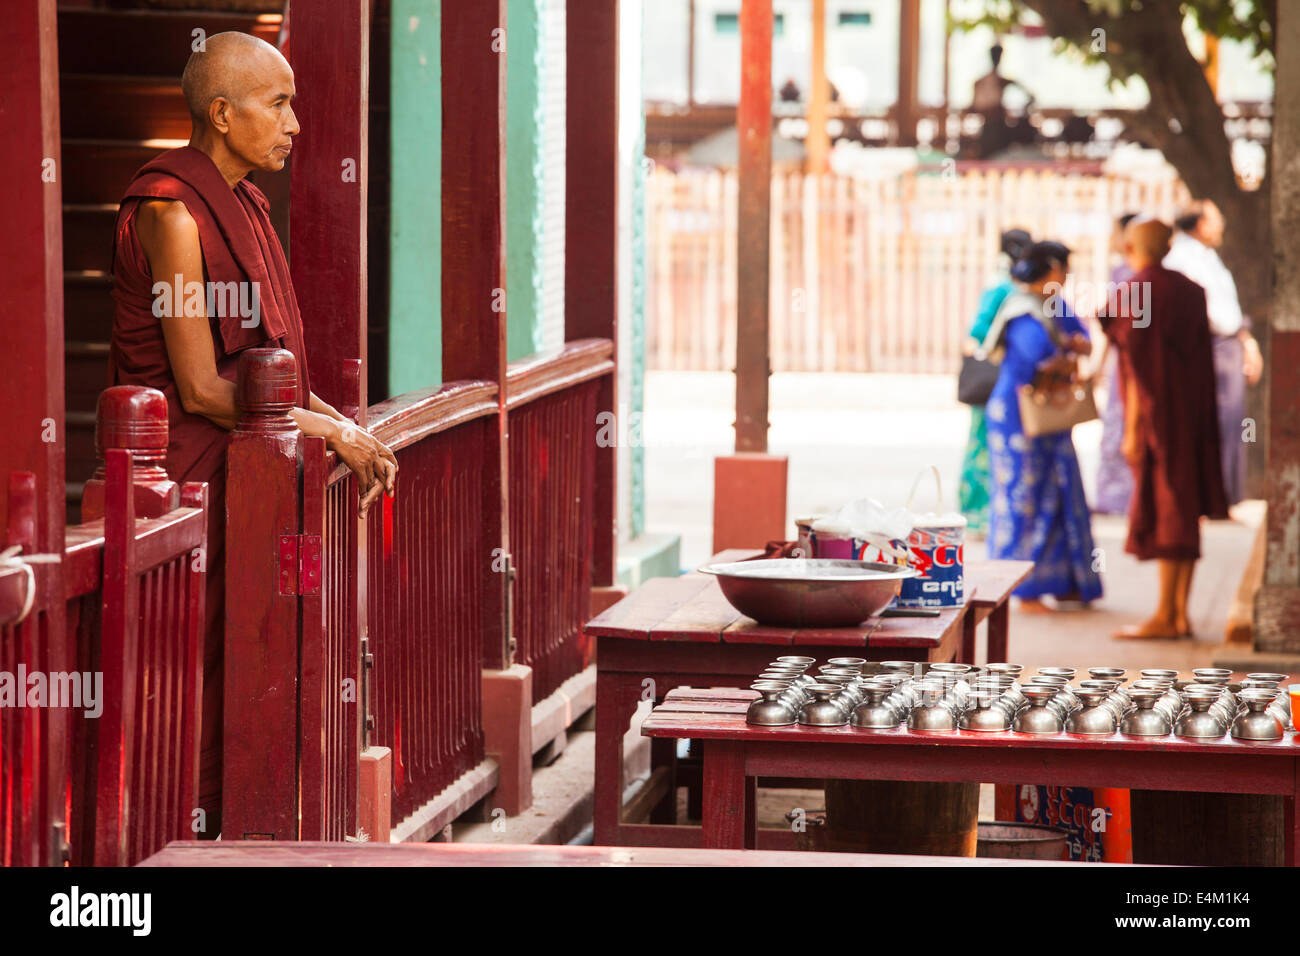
{"x":1097,"y":820}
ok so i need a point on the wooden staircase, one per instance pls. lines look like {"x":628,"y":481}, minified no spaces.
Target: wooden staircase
{"x":120,"y":104}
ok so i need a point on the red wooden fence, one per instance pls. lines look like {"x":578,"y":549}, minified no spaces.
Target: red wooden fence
{"x":331,"y":691}
{"x":430,"y":569}
{"x":33,"y":754}
{"x":552,"y":404}
{"x":133,"y":592}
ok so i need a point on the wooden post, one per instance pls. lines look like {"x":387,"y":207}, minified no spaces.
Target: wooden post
{"x":591,"y":230}
{"x":749,"y":487}
{"x":134,"y":419}
{"x":327,"y":246}
{"x":909,"y":59}
{"x":120,"y":621}
{"x":33,"y":441}
{"x":690,"y":53}
{"x":754,"y":123}
{"x":818,"y":142}
{"x":473,"y":47}
{"x":260,"y":765}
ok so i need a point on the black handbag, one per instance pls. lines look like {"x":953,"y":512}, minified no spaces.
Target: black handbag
{"x":976,"y":379}
{"x":979,"y":372}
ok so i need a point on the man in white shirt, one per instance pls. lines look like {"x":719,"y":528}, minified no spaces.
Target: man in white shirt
{"x":1237,"y":358}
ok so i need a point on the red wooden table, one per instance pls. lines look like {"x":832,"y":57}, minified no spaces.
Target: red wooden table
{"x":736,"y":753}
{"x":993,"y":582}
{"x":672,"y":632}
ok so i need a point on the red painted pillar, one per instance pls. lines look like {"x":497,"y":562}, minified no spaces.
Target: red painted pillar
{"x":474,"y":53}
{"x":134,"y":419}
{"x":473,"y":252}
{"x":591,"y":230}
{"x":749,"y":487}
{"x":327,"y":231}
{"x":260,"y":762}
{"x":32,"y":441}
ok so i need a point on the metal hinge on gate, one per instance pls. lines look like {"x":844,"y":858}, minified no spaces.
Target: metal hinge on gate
{"x":299,"y":564}
{"x":511,"y":646}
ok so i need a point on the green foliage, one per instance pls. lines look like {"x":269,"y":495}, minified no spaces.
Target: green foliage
{"x":1249,"y":21}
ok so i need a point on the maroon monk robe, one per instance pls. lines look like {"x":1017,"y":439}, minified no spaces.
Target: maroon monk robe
{"x":239,"y":245}
{"x":1178,"y":478}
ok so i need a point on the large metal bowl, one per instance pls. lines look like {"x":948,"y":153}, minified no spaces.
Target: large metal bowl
{"x":809,"y":592}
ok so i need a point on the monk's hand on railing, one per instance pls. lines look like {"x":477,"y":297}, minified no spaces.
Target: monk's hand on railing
{"x":370,"y":460}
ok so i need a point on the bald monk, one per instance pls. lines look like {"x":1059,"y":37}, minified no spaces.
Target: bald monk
{"x":191,"y":216}
{"x":1171,"y":431}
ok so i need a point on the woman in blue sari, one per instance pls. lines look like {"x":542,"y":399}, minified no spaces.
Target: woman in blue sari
{"x":1038,"y":510}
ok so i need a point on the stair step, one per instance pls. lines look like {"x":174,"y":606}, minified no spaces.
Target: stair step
{"x":87,"y":307}
{"x":88,"y":236}
{"x":99,"y":170}
{"x":103,"y":106}
{"x":156,"y":42}
{"x":85,"y":369}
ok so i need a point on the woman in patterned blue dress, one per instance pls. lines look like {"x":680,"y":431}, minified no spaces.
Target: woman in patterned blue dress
{"x":1038,"y":511}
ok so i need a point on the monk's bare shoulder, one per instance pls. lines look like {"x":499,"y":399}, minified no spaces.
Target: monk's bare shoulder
{"x":165,"y":227}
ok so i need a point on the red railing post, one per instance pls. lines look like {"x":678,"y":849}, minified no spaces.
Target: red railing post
{"x":260,"y":775}
{"x":134,"y":419}
{"x":114,"y":763}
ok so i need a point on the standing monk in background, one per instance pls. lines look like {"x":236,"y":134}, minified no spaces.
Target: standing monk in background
{"x":190,"y":216}
{"x":1171,"y":427}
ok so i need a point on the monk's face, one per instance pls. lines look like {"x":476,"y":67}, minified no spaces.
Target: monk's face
{"x":1209,"y":229}
{"x":261,"y":121}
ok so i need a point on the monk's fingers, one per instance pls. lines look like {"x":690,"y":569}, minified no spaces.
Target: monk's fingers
{"x":371,"y":495}
{"x":365,"y":475}
{"x":390,"y":474}
{"x":387,"y":454}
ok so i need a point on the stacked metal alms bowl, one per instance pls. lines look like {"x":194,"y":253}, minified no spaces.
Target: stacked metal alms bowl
{"x":997,"y":698}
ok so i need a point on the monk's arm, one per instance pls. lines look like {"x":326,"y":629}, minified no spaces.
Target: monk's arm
{"x":1132,"y":441}
{"x":170,"y":239}
{"x":322,"y":407}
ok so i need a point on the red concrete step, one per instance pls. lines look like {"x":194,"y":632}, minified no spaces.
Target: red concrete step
{"x":99,"y":106}
{"x":88,"y":237}
{"x":152,"y":42}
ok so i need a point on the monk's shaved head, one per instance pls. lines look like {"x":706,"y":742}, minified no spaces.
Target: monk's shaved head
{"x":231,"y":65}
{"x":1148,"y":238}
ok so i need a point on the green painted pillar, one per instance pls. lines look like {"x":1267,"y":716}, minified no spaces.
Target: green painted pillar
{"x":534,"y":176}
{"x":415,"y":230}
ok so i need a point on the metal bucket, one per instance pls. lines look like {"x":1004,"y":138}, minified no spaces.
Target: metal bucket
{"x":1021,"y":841}
{"x":810,"y":831}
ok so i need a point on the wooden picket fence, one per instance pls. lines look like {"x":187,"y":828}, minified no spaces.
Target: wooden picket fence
{"x":877,"y":275}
